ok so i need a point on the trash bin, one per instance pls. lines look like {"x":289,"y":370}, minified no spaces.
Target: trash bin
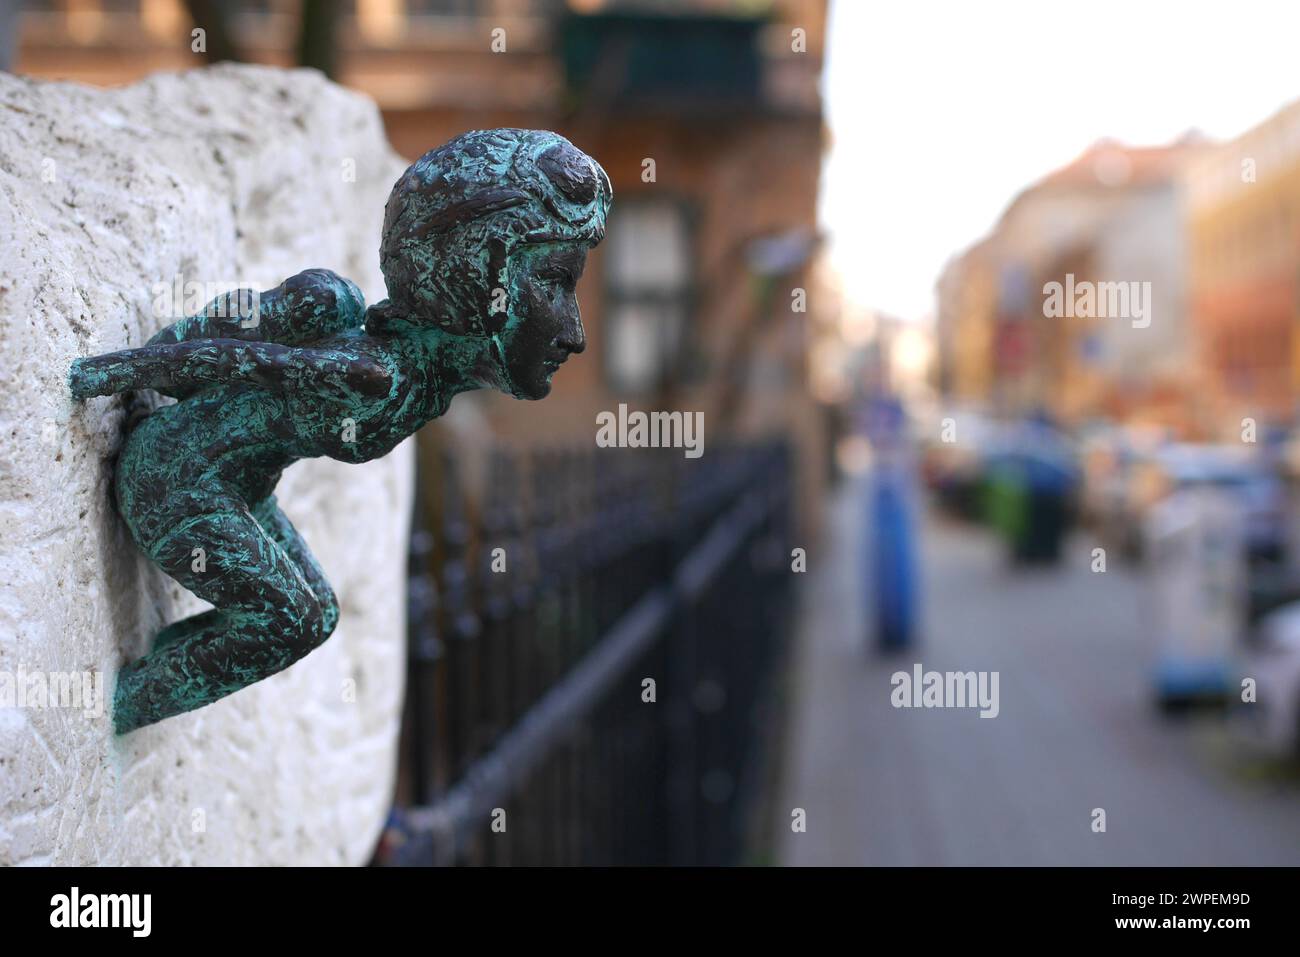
{"x":1030,"y":489}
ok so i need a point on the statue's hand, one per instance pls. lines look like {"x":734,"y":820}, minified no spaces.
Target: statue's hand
{"x":99,"y":375}
{"x":149,"y":367}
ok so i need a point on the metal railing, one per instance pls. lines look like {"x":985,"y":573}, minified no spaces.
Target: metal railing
{"x":591,"y":650}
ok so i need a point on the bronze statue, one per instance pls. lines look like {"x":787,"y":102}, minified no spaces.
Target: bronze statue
{"x":484,"y":240}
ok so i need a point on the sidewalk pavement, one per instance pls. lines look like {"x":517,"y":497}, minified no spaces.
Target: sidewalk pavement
{"x":1077,"y":727}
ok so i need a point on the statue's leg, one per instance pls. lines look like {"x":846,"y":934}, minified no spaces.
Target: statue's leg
{"x":276,"y":524}
{"x":266,"y":618}
{"x":179,"y":629}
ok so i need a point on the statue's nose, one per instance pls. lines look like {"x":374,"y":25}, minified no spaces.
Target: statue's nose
{"x":573,"y":338}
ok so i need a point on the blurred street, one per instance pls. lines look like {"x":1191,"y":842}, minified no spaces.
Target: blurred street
{"x":1077,"y":727}
{"x":1084,"y":335}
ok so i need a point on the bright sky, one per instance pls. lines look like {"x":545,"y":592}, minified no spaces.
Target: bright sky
{"x":940,"y":112}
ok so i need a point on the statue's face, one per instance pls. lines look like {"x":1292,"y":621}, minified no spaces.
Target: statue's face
{"x":544,"y":327}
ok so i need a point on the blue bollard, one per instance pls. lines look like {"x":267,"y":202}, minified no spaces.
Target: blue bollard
{"x":890,"y":535}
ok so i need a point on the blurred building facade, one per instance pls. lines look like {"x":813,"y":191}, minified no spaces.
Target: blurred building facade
{"x":706,"y":115}
{"x":1244,"y":221}
{"x":1116,"y":215}
{"x":966,"y":323}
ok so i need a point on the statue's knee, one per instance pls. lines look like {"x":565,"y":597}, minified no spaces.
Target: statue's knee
{"x":301,"y":624}
{"x":329,"y":610}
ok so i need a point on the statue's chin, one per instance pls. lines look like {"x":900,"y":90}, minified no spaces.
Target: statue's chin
{"x":529,"y":390}
{"x":535,"y":386}
{"x":536,"y":390}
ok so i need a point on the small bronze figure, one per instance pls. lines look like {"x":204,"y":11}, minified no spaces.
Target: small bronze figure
{"x":484,"y":240}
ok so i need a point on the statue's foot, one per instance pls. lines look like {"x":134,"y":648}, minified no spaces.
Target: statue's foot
{"x":80,"y":382}
{"x":129,"y":710}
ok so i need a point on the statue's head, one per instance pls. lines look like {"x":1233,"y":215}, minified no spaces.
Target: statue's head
{"x":486,"y":236}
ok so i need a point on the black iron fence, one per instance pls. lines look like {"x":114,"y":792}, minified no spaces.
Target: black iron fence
{"x":592,"y":649}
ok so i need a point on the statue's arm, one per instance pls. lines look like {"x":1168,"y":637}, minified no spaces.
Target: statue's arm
{"x":313,"y":305}
{"x":188,"y":366}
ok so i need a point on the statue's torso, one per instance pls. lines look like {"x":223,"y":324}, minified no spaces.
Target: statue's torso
{"x":241,"y":438}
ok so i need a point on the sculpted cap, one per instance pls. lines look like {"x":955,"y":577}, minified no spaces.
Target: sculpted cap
{"x":456,"y":214}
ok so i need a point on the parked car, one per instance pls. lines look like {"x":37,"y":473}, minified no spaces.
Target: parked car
{"x":1259,"y":491}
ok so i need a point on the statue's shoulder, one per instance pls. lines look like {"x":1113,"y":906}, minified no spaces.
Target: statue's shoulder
{"x":322,"y":290}
{"x":312,"y":305}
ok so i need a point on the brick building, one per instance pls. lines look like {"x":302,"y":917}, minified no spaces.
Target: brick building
{"x":1244,"y":209}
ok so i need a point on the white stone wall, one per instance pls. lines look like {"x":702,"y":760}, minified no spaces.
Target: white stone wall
{"x":232,"y":174}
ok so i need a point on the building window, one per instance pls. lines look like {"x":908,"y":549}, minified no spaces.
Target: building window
{"x":443,"y":8}
{"x":647,"y":294}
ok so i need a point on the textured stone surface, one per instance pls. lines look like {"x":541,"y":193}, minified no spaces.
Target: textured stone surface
{"x":235,"y":175}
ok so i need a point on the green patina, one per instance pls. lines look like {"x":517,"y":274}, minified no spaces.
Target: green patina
{"x":484,"y":240}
